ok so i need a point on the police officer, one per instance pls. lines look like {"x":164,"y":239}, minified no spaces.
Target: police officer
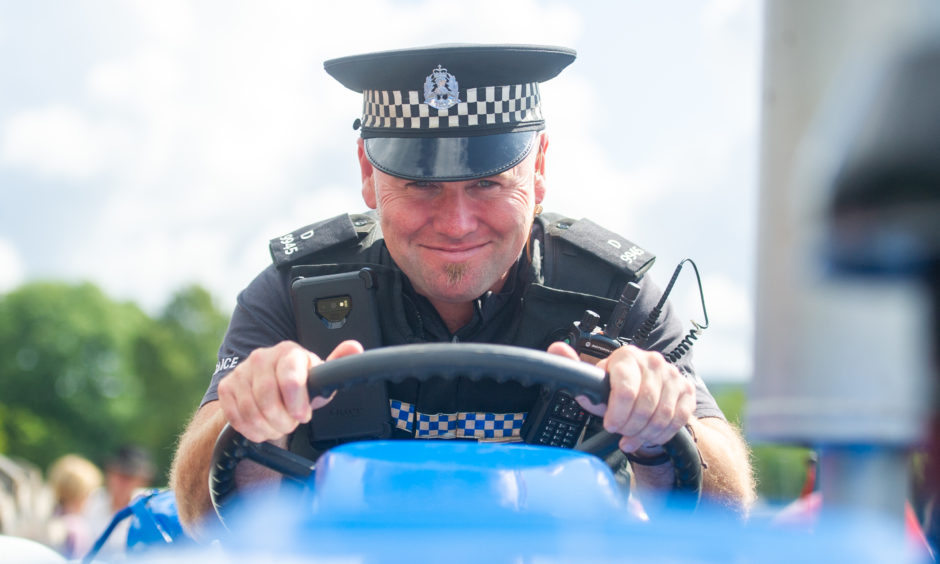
{"x":452,"y":155}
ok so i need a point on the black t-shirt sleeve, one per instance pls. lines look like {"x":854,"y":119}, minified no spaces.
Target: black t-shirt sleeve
{"x":262,"y":318}
{"x":665,"y":337}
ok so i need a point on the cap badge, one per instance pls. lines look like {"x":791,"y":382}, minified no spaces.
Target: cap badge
{"x":440,"y":89}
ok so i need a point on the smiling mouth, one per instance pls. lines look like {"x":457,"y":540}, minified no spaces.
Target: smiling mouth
{"x":456,"y":253}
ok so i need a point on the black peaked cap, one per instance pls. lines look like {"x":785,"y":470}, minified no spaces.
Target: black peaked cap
{"x":475,"y":65}
{"x":450,"y":112}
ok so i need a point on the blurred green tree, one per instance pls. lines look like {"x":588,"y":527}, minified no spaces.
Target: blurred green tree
{"x":174,"y":358}
{"x":780,"y":470}
{"x":66,"y":382}
{"x":84,"y":373}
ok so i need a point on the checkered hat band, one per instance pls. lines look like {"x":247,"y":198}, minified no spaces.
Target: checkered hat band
{"x":461,"y":425}
{"x":479,"y":107}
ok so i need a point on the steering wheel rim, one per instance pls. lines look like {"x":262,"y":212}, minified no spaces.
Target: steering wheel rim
{"x":476,"y":361}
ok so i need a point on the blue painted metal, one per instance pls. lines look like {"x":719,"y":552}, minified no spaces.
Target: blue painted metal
{"x":155,"y":522}
{"x":467,"y":502}
{"x":380,"y":482}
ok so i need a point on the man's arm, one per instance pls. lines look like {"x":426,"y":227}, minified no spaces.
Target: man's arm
{"x":189,"y":475}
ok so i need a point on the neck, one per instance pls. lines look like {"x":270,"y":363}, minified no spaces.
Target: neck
{"x":457,"y":314}
{"x":454,"y":315}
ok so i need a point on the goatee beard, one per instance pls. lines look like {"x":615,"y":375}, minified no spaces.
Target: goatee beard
{"x":455,"y":272}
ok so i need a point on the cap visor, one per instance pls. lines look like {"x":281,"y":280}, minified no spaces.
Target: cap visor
{"x":449,"y":158}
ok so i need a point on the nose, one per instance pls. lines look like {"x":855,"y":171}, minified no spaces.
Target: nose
{"x":455,"y":213}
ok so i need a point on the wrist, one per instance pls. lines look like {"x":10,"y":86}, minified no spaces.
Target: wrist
{"x":648,"y":455}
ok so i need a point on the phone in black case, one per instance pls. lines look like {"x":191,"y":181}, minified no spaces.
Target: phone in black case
{"x":328,"y":310}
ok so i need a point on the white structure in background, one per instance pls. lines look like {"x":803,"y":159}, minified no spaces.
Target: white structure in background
{"x":841,"y":362}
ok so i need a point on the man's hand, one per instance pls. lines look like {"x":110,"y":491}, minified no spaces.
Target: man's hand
{"x":650,"y":400}
{"x":265,"y":397}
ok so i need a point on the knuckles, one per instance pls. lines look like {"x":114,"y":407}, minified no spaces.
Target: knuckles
{"x":248,"y":393}
{"x":661,"y":420}
{"x":655,"y":361}
{"x":639,"y":379}
{"x":620,"y":392}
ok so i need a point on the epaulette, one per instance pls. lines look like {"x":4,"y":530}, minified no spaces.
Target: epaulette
{"x":300,"y":244}
{"x":599,"y":242}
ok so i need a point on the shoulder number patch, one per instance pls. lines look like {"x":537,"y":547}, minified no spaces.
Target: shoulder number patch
{"x":288,"y":249}
{"x":608,"y":246}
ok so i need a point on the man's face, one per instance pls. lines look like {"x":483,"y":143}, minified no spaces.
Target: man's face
{"x":456,"y":240}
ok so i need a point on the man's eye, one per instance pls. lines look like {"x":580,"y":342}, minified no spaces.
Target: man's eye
{"x":486,"y":184}
{"x":421,"y":185}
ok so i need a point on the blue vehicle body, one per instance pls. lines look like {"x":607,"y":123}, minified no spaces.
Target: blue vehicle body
{"x":468,"y":502}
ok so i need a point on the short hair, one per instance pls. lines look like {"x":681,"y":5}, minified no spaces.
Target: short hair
{"x":73,"y":478}
{"x":132,"y":460}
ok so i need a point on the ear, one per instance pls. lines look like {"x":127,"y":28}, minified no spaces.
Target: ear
{"x":540,"y":168}
{"x":368,"y":176}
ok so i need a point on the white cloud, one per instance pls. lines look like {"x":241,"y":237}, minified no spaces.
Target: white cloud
{"x":11,"y":267}
{"x":172,"y":22}
{"x":200,"y":131}
{"x":723,"y":358}
{"x":724,"y":350}
{"x":60,"y":141}
{"x":585,"y":179}
{"x":718,"y":14}
{"x":732,"y":54}
{"x":211,"y":128}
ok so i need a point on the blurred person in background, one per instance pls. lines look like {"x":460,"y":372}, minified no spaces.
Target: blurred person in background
{"x":127,"y":472}
{"x":73,"y":479}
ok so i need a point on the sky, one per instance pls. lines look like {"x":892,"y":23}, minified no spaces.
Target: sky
{"x":149,"y":145}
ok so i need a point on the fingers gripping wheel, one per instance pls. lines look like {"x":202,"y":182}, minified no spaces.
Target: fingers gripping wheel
{"x":423,"y":362}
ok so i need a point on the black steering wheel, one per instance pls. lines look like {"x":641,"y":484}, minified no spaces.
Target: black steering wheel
{"x":423,"y":362}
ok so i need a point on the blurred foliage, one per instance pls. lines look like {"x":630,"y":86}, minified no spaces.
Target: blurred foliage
{"x":780,"y":470}
{"x":86,"y":374}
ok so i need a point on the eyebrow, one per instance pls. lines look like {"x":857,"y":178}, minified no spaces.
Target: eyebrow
{"x":502,"y":175}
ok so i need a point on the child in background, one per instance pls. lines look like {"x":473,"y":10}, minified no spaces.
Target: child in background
{"x":72,"y":478}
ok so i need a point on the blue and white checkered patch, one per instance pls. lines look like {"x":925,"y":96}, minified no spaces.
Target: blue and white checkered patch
{"x":402,"y":414}
{"x":436,"y":426}
{"x":461,"y":425}
{"x":489,"y":425}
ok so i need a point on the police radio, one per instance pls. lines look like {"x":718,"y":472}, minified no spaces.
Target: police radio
{"x":563,"y":420}
{"x":583,"y":336}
